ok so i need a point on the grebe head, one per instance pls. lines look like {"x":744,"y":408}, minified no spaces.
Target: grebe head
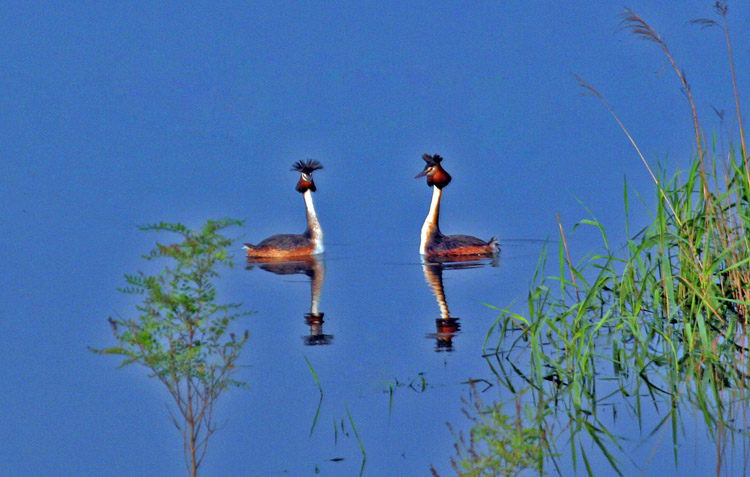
{"x":436,"y":175}
{"x":306,"y":168}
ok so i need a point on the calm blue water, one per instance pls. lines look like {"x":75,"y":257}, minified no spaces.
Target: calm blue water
{"x":381,"y":316}
{"x":116,"y":116}
{"x":383,"y":365}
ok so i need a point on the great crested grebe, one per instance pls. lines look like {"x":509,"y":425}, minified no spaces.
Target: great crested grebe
{"x":432,"y":242}
{"x":292,"y":246}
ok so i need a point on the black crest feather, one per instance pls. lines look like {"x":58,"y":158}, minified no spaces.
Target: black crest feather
{"x":307,"y":167}
{"x":432,"y":160}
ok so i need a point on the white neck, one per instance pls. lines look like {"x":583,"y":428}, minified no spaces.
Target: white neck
{"x":316,"y":285}
{"x":434,"y":277}
{"x":312,"y":223}
{"x":431,"y":222}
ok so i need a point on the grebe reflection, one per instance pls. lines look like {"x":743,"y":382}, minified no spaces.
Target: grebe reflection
{"x":446,"y":327}
{"x":314,"y":268}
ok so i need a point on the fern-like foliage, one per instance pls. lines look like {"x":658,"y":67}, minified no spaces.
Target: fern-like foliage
{"x":180,"y":333}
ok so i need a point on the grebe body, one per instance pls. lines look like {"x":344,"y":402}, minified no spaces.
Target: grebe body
{"x":292,"y":246}
{"x":432,"y":242}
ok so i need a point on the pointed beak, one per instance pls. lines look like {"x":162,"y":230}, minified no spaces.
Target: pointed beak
{"x":421,"y":174}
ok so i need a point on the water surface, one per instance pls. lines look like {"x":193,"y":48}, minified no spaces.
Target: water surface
{"x":117,"y":116}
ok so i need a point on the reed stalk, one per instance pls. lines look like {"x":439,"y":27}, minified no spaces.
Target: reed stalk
{"x":669,"y":311}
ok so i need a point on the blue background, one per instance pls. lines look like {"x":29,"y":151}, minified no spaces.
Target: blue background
{"x":120,"y":114}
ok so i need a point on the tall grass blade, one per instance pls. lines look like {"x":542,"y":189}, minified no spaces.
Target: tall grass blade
{"x":359,"y":441}
{"x":320,"y":401}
